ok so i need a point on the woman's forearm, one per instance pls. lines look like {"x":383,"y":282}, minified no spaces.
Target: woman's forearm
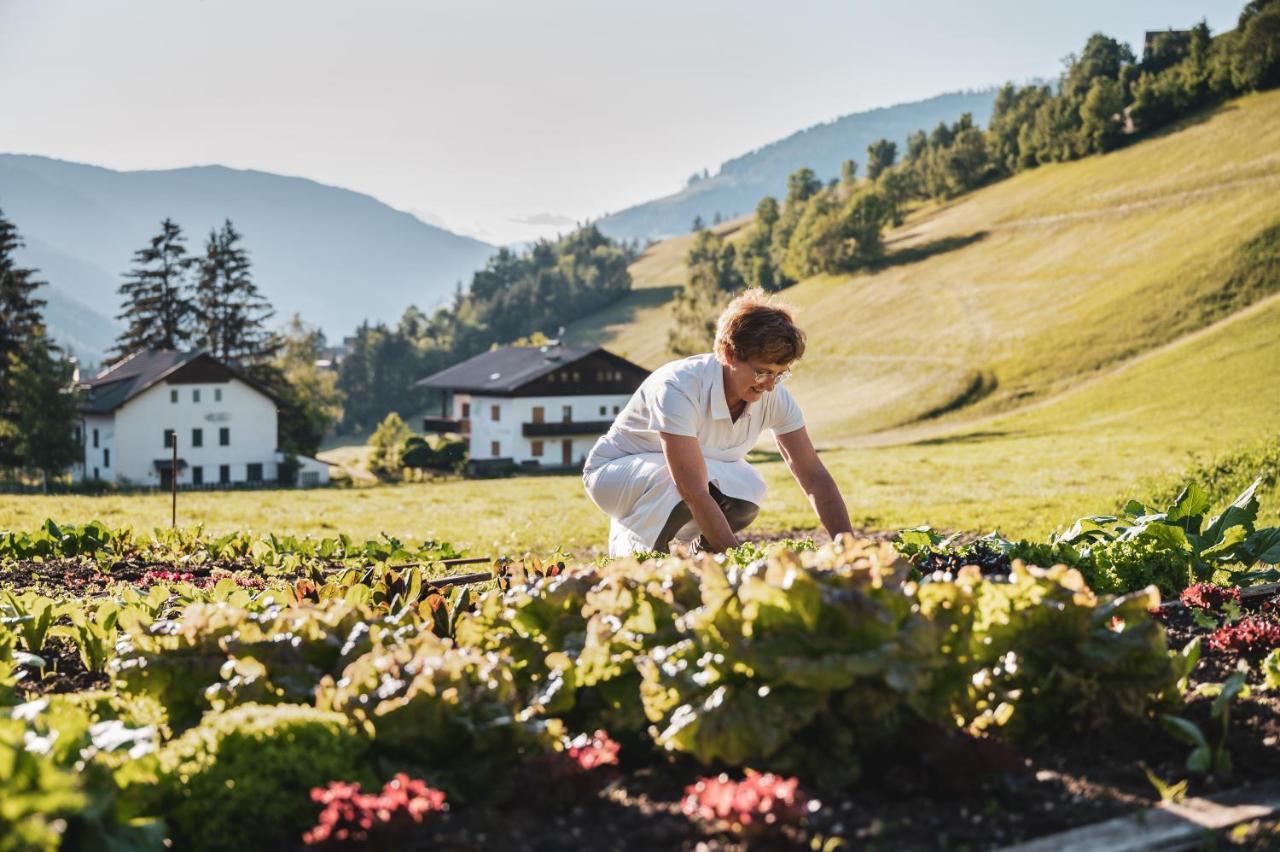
{"x":711,"y":521}
{"x":828,"y":503}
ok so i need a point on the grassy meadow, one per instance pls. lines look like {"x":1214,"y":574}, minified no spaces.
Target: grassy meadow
{"x":1035,"y":351}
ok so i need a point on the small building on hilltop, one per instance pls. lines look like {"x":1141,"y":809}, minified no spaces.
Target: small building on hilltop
{"x":224,"y":422}
{"x":532,"y":406}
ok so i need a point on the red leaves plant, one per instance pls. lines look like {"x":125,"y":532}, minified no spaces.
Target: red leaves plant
{"x":350,"y":816}
{"x":1206,"y":596}
{"x":1249,"y":637}
{"x":759,"y":801}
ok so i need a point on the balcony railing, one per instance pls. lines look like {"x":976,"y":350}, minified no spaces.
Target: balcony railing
{"x":442,"y":425}
{"x":579,"y":427}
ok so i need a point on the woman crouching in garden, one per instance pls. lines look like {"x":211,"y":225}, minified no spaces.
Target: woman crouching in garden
{"x":672,"y":468}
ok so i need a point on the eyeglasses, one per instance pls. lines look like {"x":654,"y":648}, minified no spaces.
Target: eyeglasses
{"x":769,"y":375}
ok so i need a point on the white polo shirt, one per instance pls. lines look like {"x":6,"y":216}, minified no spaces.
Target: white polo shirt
{"x":626,"y":474}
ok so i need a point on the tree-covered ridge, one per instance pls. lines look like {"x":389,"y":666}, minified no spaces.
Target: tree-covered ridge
{"x":516,"y":295}
{"x":1104,"y":98}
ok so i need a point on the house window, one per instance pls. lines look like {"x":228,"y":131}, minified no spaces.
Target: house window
{"x":168,"y":437}
{"x":604,"y":409}
{"x":224,"y":436}
{"x":577,"y":377}
{"x":95,"y":474}
{"x":197,"y":475}
{"x":197,"y":437}
{"x":539,"y":414}
{"x":551,"y":378}
{"x":217,"y":394}
{"x":195,"y":394}
{"x":173,"y":395}
{"x":255,"y":472}
{"x":566,"y":413}
{"x":535,"y":448}
{"x":495,"y":448}
{"x":466,"y":409}
{"x":106,"y":457}
{"x":616,"y":409}
{"x":95,"y":438}
{"x":495,"y":412}
{"x":224,"y":474}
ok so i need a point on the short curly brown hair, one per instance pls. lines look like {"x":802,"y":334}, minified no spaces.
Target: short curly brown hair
{"x":756,"y":325}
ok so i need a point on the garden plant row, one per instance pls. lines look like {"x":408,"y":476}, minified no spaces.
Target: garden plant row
{"x":199,"y":692}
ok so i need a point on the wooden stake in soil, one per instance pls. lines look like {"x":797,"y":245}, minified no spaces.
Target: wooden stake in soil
{"x":173,"y":482}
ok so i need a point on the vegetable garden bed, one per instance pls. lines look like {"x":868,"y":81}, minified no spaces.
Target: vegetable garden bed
{"x":249,"y":692}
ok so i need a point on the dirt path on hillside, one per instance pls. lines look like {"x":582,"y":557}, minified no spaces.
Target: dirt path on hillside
{"x":912,"y":434}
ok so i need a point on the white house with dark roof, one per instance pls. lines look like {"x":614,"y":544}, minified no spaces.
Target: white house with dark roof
{"x":532,"y":406}
{"x":225,"y":424}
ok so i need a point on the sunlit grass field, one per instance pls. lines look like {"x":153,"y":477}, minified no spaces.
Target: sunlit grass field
{"x":1024,"y":472}
{"x":1085,"y":296}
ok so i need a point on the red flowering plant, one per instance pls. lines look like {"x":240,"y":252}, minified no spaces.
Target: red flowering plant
{"x":152,"y":577}
{"x":580,"y":768}
{"x":1208,"y":597}
{"x":1250,"y":637}
{"x":757,"y":803}
{"x":353,"y":817}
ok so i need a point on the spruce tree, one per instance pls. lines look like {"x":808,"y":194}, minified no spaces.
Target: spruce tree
{"x":231,"y":313}
{"x":156,"y":309}
{"x":20,"y":323}
{"x":47,"y":410}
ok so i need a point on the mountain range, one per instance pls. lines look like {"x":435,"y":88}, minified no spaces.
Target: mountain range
{"x":333,"y":255}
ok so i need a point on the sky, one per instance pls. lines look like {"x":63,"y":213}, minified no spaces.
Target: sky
{"x":512,"y":120}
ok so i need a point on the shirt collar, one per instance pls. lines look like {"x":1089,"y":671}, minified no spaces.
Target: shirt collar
{"x":719,"y":404}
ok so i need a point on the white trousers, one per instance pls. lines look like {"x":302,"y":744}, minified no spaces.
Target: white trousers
{"x":638,"y":494}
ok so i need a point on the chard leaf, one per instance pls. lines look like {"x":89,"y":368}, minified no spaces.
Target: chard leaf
{"x":1189,"y":507}
{"x":1243,"y":511}
{"x":1262,"y":546}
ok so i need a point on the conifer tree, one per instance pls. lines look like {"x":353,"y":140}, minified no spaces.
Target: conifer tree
{"x":47,"y":411}
{"x":231,"y":313}
{"x":156,"y":310}
{"x":20,"y":322}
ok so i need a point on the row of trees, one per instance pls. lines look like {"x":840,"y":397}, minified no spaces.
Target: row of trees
{"x":37,"y":407}
{"x":1103,"y":96}
{"x":516,"y":295}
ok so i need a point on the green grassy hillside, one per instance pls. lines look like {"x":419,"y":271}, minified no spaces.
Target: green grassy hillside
{"x":1029,"y":286}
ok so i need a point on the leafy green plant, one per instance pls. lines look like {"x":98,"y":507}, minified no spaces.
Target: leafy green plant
{"x":1206,"y":756}
{"x":1040,"y":652}
{"x":241,"y":778}
{"x":32,"y":616}
{"x":93,"y":630}
{"x":1171,"y":548}
{"x":456,"y":711}
{"x":220,"y":655}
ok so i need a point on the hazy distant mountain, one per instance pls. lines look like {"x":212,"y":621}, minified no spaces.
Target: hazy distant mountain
{"x":333,"y":255}
{"x":743,"y":181}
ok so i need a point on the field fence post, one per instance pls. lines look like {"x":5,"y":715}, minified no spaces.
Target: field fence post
{"x":173,"y":483}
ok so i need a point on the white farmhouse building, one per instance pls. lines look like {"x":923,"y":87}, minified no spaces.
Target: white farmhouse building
{"x":532,"y":406}
{"x":224,"y":422}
